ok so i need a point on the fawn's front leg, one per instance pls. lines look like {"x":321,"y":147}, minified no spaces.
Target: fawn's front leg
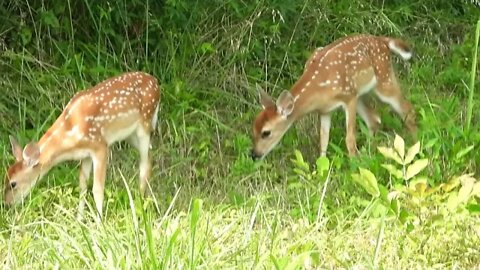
{"x":100,"y":160}
{"x":325,"y":123}
{"x":350,"y":112}
{"x":369,"y":116}
{"x":145,"y":166}
{"x":85,"y":170}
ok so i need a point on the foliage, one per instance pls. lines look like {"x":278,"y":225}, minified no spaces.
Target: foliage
{"x":213,"y":207}
{"x":414,"y":202}
{"x":310,"y":185}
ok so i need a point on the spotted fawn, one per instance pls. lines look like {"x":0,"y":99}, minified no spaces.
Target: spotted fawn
{"x":124,"y":107}
{"x":338,"y":75}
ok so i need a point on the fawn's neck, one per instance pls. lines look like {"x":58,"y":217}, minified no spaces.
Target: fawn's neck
{"x":304,"y":100}
{"x":58,"y":140}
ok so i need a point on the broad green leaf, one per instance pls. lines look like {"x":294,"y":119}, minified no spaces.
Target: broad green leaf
{"x":357,"y":178}
{"x":298,"y":156}
{"x":466,"y":189}
{"x":465,"y":177}
{"x":410,"y":227}
{"x":393,"y":171}
{"x":476,"y":189}
{"x":453,"y":183}
{"x":432,"y":190}
{"x":430,"y":143}
{"x":400,"y":188}
{"x":395,"y":206}
{"x":50,"y":19}
{"x":393,"y":195}
{"x":452,"y":201}
{"x":399,"y":145}
{"x":473,"y":208}
{"x":390,"y":153}
{"x":195,"y":214}
{"x":368,"y":181}
{"x":412,"y":152}
{"x":383,"y":192}
{"x":416,"y":167}
{"x":420,"y":180}
{"x":404,"y":216}
{"x":420,"y":188}
{"x":207,"y":47}
{"x":463,"y":152}
{"x":300,"y":162}
{"x":437,"y":219}
{"x":299,"y":172}
{"x":25,"y":35}
{"x":323,"y":164}
{"x":379,"y":209}
{"x":371,"y":179}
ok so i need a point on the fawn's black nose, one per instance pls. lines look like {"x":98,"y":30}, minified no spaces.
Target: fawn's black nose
{"x":254,"y":155}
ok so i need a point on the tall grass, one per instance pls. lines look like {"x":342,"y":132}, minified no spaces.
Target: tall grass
{"x":473,"y":75}
{"x":213,"y":207}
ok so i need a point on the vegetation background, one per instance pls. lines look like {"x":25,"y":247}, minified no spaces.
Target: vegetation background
{"x":213,"y":206}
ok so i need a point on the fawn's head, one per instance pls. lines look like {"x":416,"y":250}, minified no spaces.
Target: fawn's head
{"x":23,"y":174}
{"x":271,"y":123}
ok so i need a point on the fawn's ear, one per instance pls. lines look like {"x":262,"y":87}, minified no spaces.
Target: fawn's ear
{"x":285,"y":103}
{"x":265,"y":99}
{"x":16,"y":149}
{"x":31,"y":154}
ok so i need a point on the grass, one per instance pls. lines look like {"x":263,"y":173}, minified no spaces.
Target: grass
{"x":222,"y":235}
{"x":213,"y":207}
{"x":471,"y":85}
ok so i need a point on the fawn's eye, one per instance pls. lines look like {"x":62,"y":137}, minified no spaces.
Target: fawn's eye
{"x":266,"y":133}
{"x":13,"y":185}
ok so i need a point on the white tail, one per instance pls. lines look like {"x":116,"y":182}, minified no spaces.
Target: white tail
{"x":122,"y":107}
{"x":337,"y":75}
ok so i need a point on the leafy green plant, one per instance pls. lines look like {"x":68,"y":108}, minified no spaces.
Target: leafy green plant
{"x":409,"y":168}
{"x":414,"y":200}
{"x":307,"y":187}
{"x":307,"y":176}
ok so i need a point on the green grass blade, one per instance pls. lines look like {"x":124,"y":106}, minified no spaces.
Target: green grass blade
{"x":473,"y":74}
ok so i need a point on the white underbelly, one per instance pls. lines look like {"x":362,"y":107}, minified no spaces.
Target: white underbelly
{"x":335,"y":106}
{"x":114,"y":135}
{"x":77,"y":154}
{"x":367,"y":87}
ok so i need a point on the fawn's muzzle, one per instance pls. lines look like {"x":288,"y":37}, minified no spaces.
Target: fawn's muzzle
{"x":254,"y":155}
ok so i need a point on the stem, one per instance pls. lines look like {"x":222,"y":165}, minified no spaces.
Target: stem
{"x":472,"y":78}
{"x":379,"y":241}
